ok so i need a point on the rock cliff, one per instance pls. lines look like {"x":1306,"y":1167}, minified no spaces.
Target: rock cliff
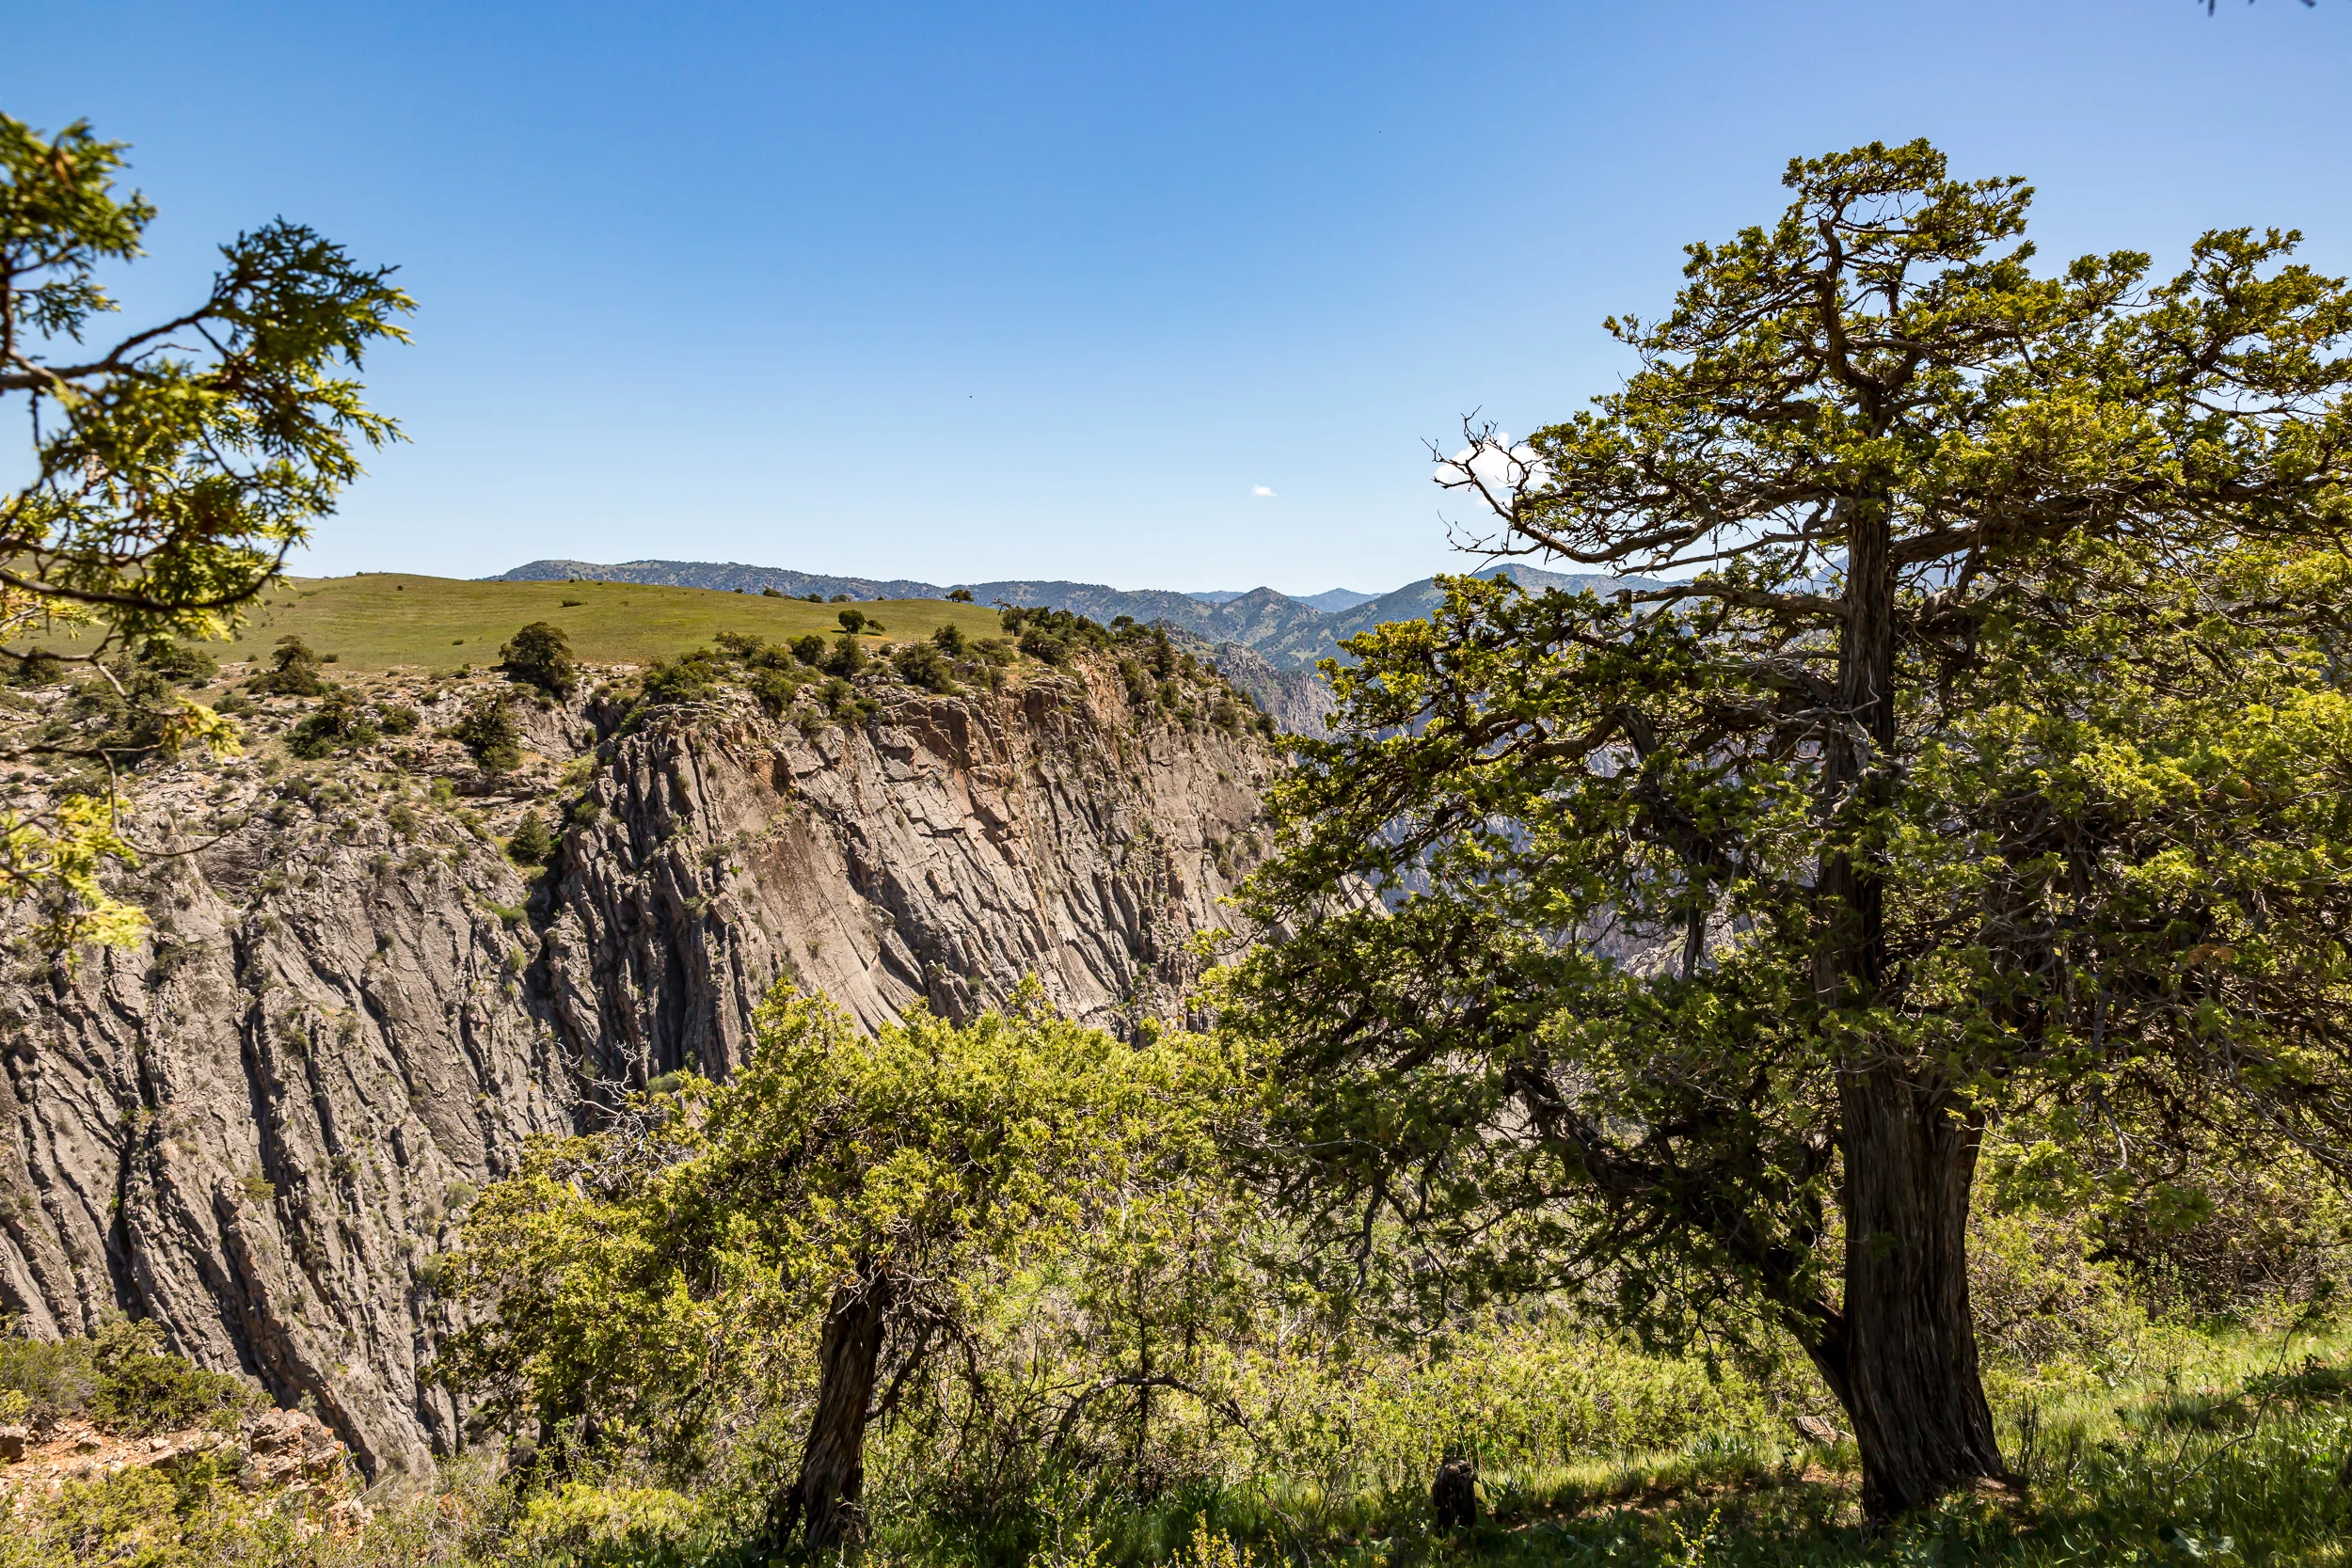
{"x":259,"y":1128}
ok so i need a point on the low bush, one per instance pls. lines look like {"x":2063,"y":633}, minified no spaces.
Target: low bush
{"x":337,"y":725}
{"x":122,"y":1380}
{"x":488,"y":733}
{"x":294,"y":670}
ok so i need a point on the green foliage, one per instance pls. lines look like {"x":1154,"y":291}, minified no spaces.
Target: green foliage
{"x":533,"y":843}
{"x":774,"y":688}
{"x":181,"y":663}
{"x":294,"y":670}
{"x":848,"y":657}
{"x":1052,"y":636}
{"x":487,"y":731}
{"x":692,"y":678}
{"x":120,"y":712}
{"x":337,"y":724}
{"x":922,"y":664}
{"x":170,"y":469}
{"x":1983,"y":753}
{"x":397,"y":719}
{"x":122,"y":1380}
{"x":540,"y":656}
{"x":809,"y":648}
{"x":852,"y":621}
{"x":666,"y":1279}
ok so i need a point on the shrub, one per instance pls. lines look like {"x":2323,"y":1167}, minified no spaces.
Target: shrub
{"x":532,"y":843}
{"x":338,"y":725}
{"x":541,"y":655}
{"x":488,"y":734}
{"x":1041,"y":645}
{"x":294,"y":670}
{"x":122,"y":1380}
{"x":852,"y":621}
{"x":847,"y":656}
{"x":39,"y":668}
{"x":178,"y":662}
{"x":397,"y":719}
{"x":745,"y":646}
{"x":775,"y":689}
{"x":922,"y":664}
{"x":951,"y":641}
{"x":672,"y":683}
{"x":143,"y":1390}
{"x":771,"y":592}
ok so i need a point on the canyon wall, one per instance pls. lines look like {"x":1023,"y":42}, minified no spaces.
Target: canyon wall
{"x":261,"y":1128}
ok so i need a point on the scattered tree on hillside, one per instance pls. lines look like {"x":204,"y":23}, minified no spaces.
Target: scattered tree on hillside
{"x":170,"y":469}
{"x":540,"y":656}
{"x":294,"y":670}
{"x":337,"y":724}
{"x":1978,"y":741}
{"x":533,"y":842}
{"x":487,"y":731}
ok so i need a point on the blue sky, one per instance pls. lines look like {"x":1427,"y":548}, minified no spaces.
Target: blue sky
{"x":976,"y":292}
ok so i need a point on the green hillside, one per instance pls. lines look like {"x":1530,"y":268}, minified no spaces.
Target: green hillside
{"x":379,"y":620}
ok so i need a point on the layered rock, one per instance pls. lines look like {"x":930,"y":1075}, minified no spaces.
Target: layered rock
{"x":261,"y":1128}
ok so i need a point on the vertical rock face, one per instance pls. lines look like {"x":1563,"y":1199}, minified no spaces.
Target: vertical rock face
{"x":259,"y":1128}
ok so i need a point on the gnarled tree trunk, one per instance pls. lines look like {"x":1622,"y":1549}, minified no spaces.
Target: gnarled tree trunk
{"x":1912,"y":1387}
{"x":1904,"y":1363}
{"x":824,"y":1499}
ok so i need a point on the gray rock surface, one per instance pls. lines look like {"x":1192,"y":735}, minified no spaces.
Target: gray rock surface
{"x":261,"y":1128}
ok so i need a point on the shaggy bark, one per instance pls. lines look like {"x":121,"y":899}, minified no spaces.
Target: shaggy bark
{"x":1906,"y":1362}
{"x":823,"y":1502}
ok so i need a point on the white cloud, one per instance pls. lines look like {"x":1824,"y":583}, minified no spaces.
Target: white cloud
{"x":1496,"y":462}
{"x":1260,"y":490}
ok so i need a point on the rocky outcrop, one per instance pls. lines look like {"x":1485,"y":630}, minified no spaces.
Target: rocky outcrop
{"x":1298,"y":701}
{"x":261,"y":1128}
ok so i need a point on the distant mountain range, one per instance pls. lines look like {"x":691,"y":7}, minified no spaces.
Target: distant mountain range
{"x":1287,"y":633}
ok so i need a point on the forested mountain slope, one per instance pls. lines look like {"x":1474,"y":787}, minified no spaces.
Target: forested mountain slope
{"x":1287,"y":633}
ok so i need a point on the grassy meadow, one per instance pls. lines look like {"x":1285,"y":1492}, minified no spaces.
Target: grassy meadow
{"x":2197,"y":1446}
{"x":384,"y":619}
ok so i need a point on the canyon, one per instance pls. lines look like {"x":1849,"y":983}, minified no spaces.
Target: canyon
{"x":261,"y":1127}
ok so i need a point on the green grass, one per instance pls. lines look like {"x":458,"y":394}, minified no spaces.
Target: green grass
{"x":382,"y":620}
{"x":2216,"y":1448}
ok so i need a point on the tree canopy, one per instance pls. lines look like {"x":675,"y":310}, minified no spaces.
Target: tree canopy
{"x":811,"y":1235}
{"x":171,"y":467}
{"x":1966,"y":738}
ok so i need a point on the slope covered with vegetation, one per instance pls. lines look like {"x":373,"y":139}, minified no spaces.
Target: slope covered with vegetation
{"x":380,"y":620}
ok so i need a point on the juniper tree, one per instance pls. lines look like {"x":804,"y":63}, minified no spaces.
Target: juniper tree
{"x":1967,"y":733}
{"x":171,"y":467}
